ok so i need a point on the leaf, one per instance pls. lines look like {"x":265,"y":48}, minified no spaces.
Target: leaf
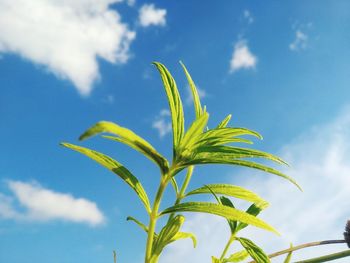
{"x":237,"y":257}
{"x":289,"y":256}
{"x":232,"y":223}
{"x":215,"y":260}
{"x":195,"y":96}
{"x":253,"y":210}
{"x":195,"y":129}
{"x":143,"y":226}
{"x":236,"y":152}
{"x":116,"y":168}
{"x":224,"y":122}
{"x":129,"y":138}
{"x":183,"y":235}
{"x":220,"y":210}
{"x":167,"y":234}
{"x":229,"y":190}
{"x":223,"y":160}
{"x":175,"y":104}
{"x":338,"y":255}
{"x":253,"y":250}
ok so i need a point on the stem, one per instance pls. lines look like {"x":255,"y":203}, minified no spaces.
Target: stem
{"x":311,"y":244}
{"x":229,"y":242}
{"x":154,"y":217}
{"x":180,"y":196}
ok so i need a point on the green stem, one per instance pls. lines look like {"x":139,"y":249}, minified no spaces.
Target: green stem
{"x":229,"y":242}
{"x":180,"y":195}
{"x":154,"y":217}
{"x":327,"y":258}
{"x":311,"y":244}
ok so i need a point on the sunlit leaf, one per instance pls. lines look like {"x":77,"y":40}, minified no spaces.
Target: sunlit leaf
{"x":175,"y":104}
{"x":129,"y":138}
{"x":229,"y":190}
{"x":223,"y":160}
{"x":220,"y":210}
{"x":253,"y":250}
{"x":232,"y":223}
{"x":116,"y":168}
{"x":224,"y":122}
{"x":141,"y":225}
{"x":253,"y":210}
{"x":289,"y":256}
{"x":237,"y":257}
{"x":167,"y":234}
{"x":195,"y":96}
{"x":183,"y":235}
{"x":215,"y":260}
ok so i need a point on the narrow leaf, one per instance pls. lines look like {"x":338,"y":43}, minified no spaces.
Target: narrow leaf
{"x":224,"y":122}
{"x":289,"y":256}
{"x":249,"y":164}
{"x":253,"y":210}
{"x":195,"y":96}
{"x":237,"y":257}
{"x":129,"y":138}
{"x":175,"y":104}
{"x":220,"y":210}
{"x":215,"y":260}
{"x":143,"y":226}
{"x":253,"y":250}
{"x":183,"y":235}
{"x":116,"y":168}
{"x":232,"y":223}
{"x":229,"y":190}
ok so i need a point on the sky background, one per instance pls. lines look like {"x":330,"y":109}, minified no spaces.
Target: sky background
{"x":281,"y":69}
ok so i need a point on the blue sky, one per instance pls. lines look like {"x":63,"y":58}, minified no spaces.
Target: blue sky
{"x":279,"y":68}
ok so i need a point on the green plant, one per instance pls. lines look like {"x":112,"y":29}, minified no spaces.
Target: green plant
{"x":197,"y":145}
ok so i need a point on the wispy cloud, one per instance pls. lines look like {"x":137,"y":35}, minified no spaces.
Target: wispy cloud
{"x":66,"y":37}
{"x":242,"y":57}
{"x":149,"y":15}
{"x":301,"y":36}
{"x":41,"y":204}
{"x":162,"y":123}
{"x":248,"y":16}
{"x":320,"y":163}
{"x":201,"y":93}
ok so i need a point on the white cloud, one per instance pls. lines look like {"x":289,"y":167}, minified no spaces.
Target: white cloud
{"x":242,"y":58}
{"x":150,"y":15}
{"x":43,"y":204}
{"x":66,"y":37}
{"x":162,"y":123}
{"x":321,"y":164}
{"x":248,"y":16}
{"x":300,"y":41}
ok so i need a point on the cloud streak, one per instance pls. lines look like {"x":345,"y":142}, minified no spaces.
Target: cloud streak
{"x":149,"y":15}
{"x":66,"y":37}
{"x":42,"y":205}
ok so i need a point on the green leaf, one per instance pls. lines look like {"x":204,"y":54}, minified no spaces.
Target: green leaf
{"x":116,"y":168}
{"x":253,"y":210}
{"x":143,"y":226}
{"x":220,"y":210}
{"x":237,"y":257}
{"x":253,"y":250}
{"x":175,"y":104}
{"x":289,"y":256}
{"x":195,"y":129}
{"x":195,"y":96}
{"x":223,"y":160}
{"x":215,"y":260}
{"x":129,"y":138}
{"x":236,"y":152}
{"x":167,"y":234}
{"x":224,"y":122}
{"x":334,"y":256}
{"x":229,"y":190}
{"x":232,"y":223}
{"x":183,"y":235}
